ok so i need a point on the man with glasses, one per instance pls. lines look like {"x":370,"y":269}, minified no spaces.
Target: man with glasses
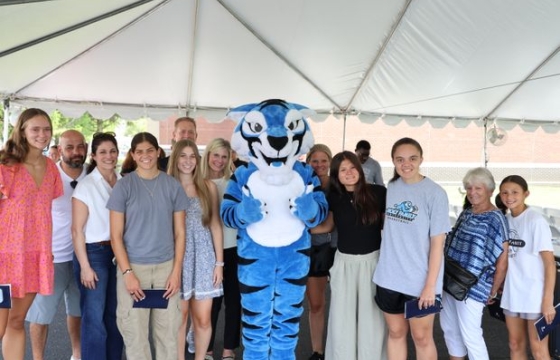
{"x":72,"y":148}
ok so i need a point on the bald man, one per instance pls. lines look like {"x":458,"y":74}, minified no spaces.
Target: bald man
{"x":73,"y":150}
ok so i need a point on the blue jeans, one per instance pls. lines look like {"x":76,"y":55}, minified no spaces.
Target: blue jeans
{"x":101,"y":339}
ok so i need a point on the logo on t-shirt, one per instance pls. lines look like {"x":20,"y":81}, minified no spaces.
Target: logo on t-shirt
{"x":403,"y":212}
{"x":515,"y":243}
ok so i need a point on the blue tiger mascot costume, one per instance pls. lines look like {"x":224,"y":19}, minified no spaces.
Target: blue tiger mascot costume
{"x":272,"y":201}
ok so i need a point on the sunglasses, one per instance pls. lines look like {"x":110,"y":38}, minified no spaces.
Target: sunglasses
{"x":73,"y":183}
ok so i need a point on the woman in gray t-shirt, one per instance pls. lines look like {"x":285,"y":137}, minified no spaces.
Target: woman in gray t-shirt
{"x":147,"y":219}
{"x":411,"y":256}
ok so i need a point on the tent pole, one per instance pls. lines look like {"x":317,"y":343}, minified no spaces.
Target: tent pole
{"x":6,"y":126}
{"x":485,"y":145}
{"x":344,"y":132}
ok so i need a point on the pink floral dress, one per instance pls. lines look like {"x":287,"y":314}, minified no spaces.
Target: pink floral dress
{"x":26,"y":260}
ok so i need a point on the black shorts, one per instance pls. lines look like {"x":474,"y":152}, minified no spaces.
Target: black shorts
{"x":322,"y":258}
{"x":391,"y":302}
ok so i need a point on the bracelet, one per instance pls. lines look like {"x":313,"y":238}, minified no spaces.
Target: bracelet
{"x":127,"y":271}
{"x":219,"y":263}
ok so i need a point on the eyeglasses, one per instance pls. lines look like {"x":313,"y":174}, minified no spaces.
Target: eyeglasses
{"x":73,"y":183}
{"x":104,"y":134}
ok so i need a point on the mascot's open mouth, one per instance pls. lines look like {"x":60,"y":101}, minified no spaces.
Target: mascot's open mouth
{"x":275,"y":161}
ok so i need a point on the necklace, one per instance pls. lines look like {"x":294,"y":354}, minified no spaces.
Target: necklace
{"x":150,"y":192}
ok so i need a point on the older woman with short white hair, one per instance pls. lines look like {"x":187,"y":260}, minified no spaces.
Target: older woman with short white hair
{"x":479,"y":245}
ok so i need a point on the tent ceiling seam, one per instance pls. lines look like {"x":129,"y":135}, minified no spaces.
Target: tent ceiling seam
{"x":381,"y":51}
{"x":16,"y":98}
{"x":463,"y":93}
{"x":72,"y":28}
{"x":521,"y":83}
{"x":113,"y":34}
{"x":279,"y":54}
{"x":19,"y":2}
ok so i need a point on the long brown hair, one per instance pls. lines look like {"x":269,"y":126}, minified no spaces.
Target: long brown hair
{"x":365,"y":202}
{"x":200,"y":184}
{"x":17,"y":148}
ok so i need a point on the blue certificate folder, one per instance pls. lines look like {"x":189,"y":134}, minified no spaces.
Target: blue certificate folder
{"x":411,"y":309}
{"x":5,"y":296}
{"x":543,"y":329}
{"x":154,"y":299}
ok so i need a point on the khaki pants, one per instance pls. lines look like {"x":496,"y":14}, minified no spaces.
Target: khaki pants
{"x":136,"y":324}
{"x":357,"y":329}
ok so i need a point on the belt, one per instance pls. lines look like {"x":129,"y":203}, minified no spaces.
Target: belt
{"x":102,"y":243}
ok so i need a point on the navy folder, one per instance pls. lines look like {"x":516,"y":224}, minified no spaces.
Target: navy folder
{"x":153,"y":299}
{"x":411,"y":309}
{"x":543,"y":329}
{"x":5,"y":296}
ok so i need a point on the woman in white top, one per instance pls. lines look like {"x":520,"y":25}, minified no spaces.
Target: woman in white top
{"x":217,"y":166}
{"x":531,"y":275}
{"x":93,"y":259}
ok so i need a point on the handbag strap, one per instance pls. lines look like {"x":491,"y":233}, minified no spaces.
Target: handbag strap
{"x":453,"y":231}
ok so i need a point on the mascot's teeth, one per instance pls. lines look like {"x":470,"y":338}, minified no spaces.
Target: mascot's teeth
{"x":276,"y":162}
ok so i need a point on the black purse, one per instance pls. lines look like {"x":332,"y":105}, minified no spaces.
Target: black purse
{"x":457,"y":281}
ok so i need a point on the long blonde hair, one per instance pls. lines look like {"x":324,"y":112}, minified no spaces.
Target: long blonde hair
{"x":200,"y":184}
{"x":213,"y":146}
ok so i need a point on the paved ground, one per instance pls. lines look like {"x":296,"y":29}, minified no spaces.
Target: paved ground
{"x":58,"y":347}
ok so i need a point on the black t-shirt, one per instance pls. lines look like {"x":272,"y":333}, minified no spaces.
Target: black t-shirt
{"x":353,"y":237}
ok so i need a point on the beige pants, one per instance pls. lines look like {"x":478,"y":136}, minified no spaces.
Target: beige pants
{"x":135,"y":324}
{"x":357,"y":329}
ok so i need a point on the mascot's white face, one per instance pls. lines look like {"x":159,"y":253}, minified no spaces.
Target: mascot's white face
{"x":272,"y":135}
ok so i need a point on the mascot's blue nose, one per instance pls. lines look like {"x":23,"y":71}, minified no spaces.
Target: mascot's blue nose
{"x":277,"y":143}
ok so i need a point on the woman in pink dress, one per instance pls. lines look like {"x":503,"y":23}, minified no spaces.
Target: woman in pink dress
{"x":29,"y":182}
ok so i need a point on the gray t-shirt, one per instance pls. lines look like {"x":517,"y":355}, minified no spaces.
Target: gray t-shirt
{"x":148,"y":230}
{"x":372,"y":172}
{"x":414,"y":213}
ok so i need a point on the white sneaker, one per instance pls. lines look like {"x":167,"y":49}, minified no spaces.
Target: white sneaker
{"x":73,"y":358}
{"x":190,"y":341}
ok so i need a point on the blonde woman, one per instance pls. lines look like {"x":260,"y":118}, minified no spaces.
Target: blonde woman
{"x":217,"y":164}
{"x":319,"y":157}
{"x":203,"y":261}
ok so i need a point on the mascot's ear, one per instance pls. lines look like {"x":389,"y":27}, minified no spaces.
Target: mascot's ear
{"x":237,"y":113}
{"x":304,"y":110}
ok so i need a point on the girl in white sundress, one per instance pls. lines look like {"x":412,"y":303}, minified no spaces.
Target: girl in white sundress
{"x":203,"y":261}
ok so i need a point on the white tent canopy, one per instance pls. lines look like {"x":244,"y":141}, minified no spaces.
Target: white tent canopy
{"x":429,"y":60}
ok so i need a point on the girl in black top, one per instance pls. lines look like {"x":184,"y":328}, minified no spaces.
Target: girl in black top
{"x":356,"y":328}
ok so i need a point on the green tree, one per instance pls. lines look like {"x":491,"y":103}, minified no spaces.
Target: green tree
{"x":133,"y":127}
{"x":86,"y":124}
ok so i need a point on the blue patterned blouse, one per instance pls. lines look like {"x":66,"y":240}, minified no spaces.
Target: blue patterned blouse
{"x":477,"y":244}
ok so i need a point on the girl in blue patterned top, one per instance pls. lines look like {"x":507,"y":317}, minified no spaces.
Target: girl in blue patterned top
{"x":480,"y":246}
